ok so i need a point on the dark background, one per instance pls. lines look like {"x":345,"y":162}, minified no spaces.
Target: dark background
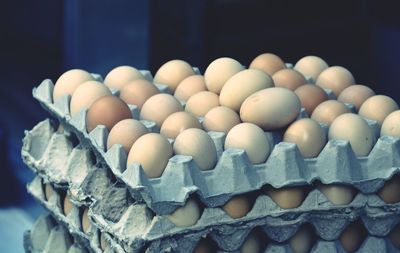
{"x":42,"y":39}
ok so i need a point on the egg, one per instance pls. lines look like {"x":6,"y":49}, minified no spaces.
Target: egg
{"x":269,"y":63}
{"x":67,"y":205}
{"x":390,"y":192}
{"x":121,"y":75}
{"x":126,"y":132}
{"x":103,"y":242}
{"x":356,"y":95}
{"x":302,"y":240}
{"x":390,"y":125}
{"x":172,"y":73}
{"x":311,"y":66}
{"x":178,"y":122}
{"x":289,"y":79}
{"x":86,"y":94}
{"x":152,"y":151}
{"x":287,"y":197}
{"x":107,"y":111}
{"x":310,"y":96}
{"x":252,"y":244}
{"x":200,"y":103}
{"x":85,"y":221}
{"x":198,"y":144}
{"x":205,"y":245}
{"x":353,"y":236}
{"x":337,"y":194}
{"x":136,"y":92}
{"x":220,"y":119}
{"x":159,"y":107}
{"x":219,"y":71}
{"x":48,"y":191}
{"x":69,"y":81}
{"x":251,"y":139}
{"x":241,"y":85}
{"x":335,"y":78}
{"x":271,"y":108}
{"x":328,"y":111}
{"x":187,"y":215}
{"x":237,"y":207}
{"x":394,"y":236}
{"x":369,"y":109}
{"x":308,"y":135}
{"x":190,"y":86}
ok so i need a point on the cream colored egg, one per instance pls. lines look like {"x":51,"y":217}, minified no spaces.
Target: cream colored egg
{"x":337,"y":194}
{"x":172,"y":73}
{"x":310,"y":96}
{"x":241,"y":85}
{"x":67,"y":205}
{"x":200,"y":103}
{"x":308,"y":135}
{"x":287,"y":197}
{"x":190,"y":86}
{"x":311,"y":66}
{"x":328,"y":111}
{"x":85,"y":221}
{"x":252,"y":244}
{"x":390,"y":125}
{"x":335,"y":78}
{"x":394,"y":236}
{"x":302,"y":240}
{"x":353,"y":236}
{"x":220,"y":119}
{"x":198,"y":144}
{"x":205,"y":246}
{"x":251,"y":139}
{"x":152,"y":151}
{"x":289,"y":79}
{"x":69,"y":81}
{"x":121,"y":75}
{"x":356,"y":95}
{"x":238,"y":206}
{"x":126,"y":132}
{"x":86,"y":94}
{"x":390,"y":192}
{"x":219,"y":71}
{"x":136,"y":92}
{"x":271,"y":108}
{"x":178,"y":122}
{"x":48,"y":191}
{"x":378,"y":107}
{"x":187,"y":215}
{"x":269,"y":63}
{"x":159,"y":107}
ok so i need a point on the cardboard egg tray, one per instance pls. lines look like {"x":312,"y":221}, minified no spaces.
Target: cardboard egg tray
{"x":285,"y":166}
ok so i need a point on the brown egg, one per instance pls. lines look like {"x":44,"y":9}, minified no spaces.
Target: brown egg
{"x":173,"y":73}
{"x":178,"y":122}
{"x":390,"y":192}
{"x":328,"y":111}
{"x":287,"y":197}
{"x":242,"y":85}
{"x":219,"y":71}
{"x":353,"y":236}
{"x":136,"y":92}
{"x":308,"y":135}
{"x":394,"y":236}
{"x":69,"y":81}
{"x":378,"y":107}
{"x":121,"y":75}
{"x":252,"y":244}
{"x":356,"y":95}
{"x":335,"y":78}
{"x":107,"y":111}
{"x":269,"y":63}
{"x":103,"y":242}
{"x":126,"y":132}
{"x":205,"y":245}
{"x":152,"y":151}
{"x":190,"y":86}
{"x":310,"y":96}
{"x":159,"y":107}
{"x":237,"y":207}
{"x":390,"y":125}
{"x":187,"y":215}
{"x":220,"y":119}
{"x":85,"y":221}
{"x":48,"y":191}
{"x":67,"y":205}
{"x":289,"y":79}
{"x":302,"y":240}
{"x":311,"y":66}
{"x":200,"y":103}
{"x":86,"y":94}
{"x":337,"y":194}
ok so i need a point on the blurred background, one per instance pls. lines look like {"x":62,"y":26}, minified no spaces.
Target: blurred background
{"x":42,"y":39}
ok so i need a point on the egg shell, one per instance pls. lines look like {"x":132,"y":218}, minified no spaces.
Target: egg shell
{"x":394,"y":236}
{"x":187,"y":215}
{"x":178,"y":122}
{"x":237,"y":207}
{"x":190,"y":86}
{"x":136,"y":92}
{"x":69,"y":81}
{"x":121,"y":75}
{"x":85,"y":221}
{"x":103,"y":242}
{"x":126,"y":132}
{"x":200,"y":103}
{"x":107,"y":111}
{"x":48,"y":191}
{"x":271,"y":108}
{"x":336,"y":78}
{"x":353,"y":236}
{"x":251,"y":139}
{"x":205,"y":246}
{"x":337,"y":194}
{"x":369,"y":109}
{"x":86,"y":94}
{"x":310,"y":96}
{"x":328,"y":111}
{"x":302,"y":240}
{"x":152,"y":151}
{"x":172,"y":73}
{"x":390,"y":125}
{"x":311,"y":66}
{"x":220,"y":119}
{"x":198,"y":144}
{"x":252,"y":244}
{"x":287,"y":197}
{"x":267,"y":62}
{"x":390,"y":192}
{"x":159,"y":107}
{"x":67,"y":205}
{"x":289,"y":79}
{"x":241,"y":85}
{"x":356,"y":95}
{"x":219,"y":71}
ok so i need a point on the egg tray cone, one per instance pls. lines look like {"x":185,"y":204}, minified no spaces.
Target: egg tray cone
{"x":233,"y":174}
